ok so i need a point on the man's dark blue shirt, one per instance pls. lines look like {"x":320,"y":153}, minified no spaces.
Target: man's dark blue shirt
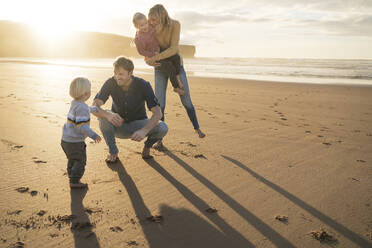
{"x":130,"y":105}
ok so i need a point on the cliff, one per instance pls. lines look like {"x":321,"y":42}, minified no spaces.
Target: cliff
{"x":19,"y":40}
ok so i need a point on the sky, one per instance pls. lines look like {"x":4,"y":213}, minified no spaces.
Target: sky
{"x":335,"y":29}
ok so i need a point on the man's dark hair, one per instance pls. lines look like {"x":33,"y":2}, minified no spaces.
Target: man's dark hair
{"x":124,"y":63}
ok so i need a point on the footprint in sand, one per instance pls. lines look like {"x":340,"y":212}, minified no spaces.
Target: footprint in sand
{"x":13,"y":146}
{"x":327,"y":143}
{"x":211,"y":210}
{"x":40,"y":162}
{"x":132,"y":242}
{"x":200,"y":156}
{"x":361,"y":161}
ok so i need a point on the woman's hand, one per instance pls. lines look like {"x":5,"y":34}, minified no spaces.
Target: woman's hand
{"x":151,"y":61}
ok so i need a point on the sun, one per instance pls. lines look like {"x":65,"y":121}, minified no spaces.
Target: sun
{"x":53,"y":32}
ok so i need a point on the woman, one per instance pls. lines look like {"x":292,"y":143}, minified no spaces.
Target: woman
{"x":167,"y":32}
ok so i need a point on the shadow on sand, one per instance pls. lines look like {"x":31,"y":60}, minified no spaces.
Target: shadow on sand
{"x":353,"y":237}
{"x":273,"y":236}
{"x":179,"y":227}
{"x":81,"y":227}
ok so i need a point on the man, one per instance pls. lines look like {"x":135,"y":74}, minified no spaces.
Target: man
{"x":127,"y":118}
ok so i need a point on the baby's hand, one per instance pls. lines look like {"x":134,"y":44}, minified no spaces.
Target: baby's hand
{"x":98,"y":139}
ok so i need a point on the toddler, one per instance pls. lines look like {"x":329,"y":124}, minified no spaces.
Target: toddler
{"x":148,"y":46}
{"x":75,"y":131}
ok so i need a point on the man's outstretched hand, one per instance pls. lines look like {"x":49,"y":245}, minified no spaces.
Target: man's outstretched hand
{"x":115,"y":119}
{"x":138,"y":135}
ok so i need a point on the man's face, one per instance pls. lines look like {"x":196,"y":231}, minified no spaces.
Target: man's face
{"x":122,"y":76}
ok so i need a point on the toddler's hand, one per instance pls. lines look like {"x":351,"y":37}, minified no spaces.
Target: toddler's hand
{"x":98,"y":139}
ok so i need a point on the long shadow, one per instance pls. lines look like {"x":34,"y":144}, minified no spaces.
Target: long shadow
{"x":81,"y":227}
{"x":355,"y":238}
{"x":172,"y":232}
{"x":260,"y":226}
{"x":238,"y":239}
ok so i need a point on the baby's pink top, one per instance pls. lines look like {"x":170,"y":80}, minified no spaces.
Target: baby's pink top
{"x":146,"y":43}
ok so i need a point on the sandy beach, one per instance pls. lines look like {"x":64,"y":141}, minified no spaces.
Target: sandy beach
{"x":281,"y":163}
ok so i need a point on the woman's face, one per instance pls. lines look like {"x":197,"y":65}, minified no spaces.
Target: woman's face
{"x":154,"y":20}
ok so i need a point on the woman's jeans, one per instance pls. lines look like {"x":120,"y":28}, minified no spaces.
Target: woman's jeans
{"x":125,"y":131}
{"x":161,"y":83}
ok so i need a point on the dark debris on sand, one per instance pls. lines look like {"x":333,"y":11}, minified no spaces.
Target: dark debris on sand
{"x":282,"y":218}
{"x":81,"y":225}
{"x":41,"y":213}
{"x":323,"y":236}
{"x":22,"y":189}
{"x":16,"y":212}
{"x":156,"y":218}
{"x":116,"y":229}
{"x":19,"y":244}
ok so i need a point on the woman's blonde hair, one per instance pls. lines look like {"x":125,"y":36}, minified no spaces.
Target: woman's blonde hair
{"x":159,"y":11}
{"x":78,"y":87}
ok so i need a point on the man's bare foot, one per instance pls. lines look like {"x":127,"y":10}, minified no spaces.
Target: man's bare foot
{"x":159,"y":146}
{"x":146,"y":153}
{"x":200,"y":133}
{"x":78,"y":185}
{"x":112,"y":158}
{"x":180,"y":91}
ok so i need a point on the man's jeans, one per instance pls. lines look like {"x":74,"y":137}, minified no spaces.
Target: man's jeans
{"x":161,"y":83}
{"x":125,"y":131}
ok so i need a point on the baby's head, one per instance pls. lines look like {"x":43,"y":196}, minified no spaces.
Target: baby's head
{"x":80,"y":89}
{"x":140,"y":22}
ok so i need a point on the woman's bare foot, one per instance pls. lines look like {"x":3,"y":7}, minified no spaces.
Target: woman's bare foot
{"x":200,"y":133}
{"x":78,"y":185}
{"x":180,"y":91}
{"x":112,"y":158}
{"x":146,"y":153}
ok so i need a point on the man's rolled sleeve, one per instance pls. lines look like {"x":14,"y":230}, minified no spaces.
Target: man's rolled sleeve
{"x":150,"y":98}
{"x":105,"y":91}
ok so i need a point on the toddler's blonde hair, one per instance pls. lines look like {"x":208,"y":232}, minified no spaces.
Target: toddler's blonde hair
{"x":78,"y":87}
{"x":138,"y":16}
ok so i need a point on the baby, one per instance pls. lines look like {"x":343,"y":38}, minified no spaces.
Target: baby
{"x":148,"y":46}
{"x":75,"y":131}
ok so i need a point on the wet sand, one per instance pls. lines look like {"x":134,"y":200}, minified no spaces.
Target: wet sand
{"x":283,"y":165}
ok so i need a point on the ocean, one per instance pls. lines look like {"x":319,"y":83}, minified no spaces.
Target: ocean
{"x":316,"y":71}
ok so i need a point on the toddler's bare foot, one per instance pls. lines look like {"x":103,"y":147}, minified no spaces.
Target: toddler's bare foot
{"x":180,"y":84}
{"x":146,"y":153}
{"x":200,"y":133}
{"x":78,"y":185}
{"x":180,"y":91}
